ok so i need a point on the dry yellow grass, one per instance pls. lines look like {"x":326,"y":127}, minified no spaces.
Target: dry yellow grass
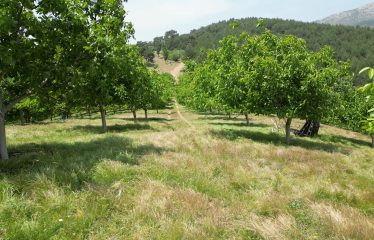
{"x":347,"y":222}
{"x":167,"y":66}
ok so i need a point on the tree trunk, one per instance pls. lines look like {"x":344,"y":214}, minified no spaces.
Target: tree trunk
{"x":146,"y":114}
{"x":3,"y":146}
{"x":288,"y":130}
{"x":22,"y":117}
{"x":65,"y":115}
{"x":157,"y":110}
{"x":310,"y":129}
{"x":28,"y":117}
{"x":229,"y":115}
{"x":134,"y":115}
{"x":372,"y":141}
{"x":103,"y":119}
{"x":51,"y":114}
{"x":247,"y":118}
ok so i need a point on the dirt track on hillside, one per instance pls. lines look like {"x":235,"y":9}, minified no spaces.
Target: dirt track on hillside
{"x":176,"y":72}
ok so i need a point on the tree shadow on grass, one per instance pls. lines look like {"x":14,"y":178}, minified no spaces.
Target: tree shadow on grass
{"x":41,"y":123}
{"x":344,"y":140}
{"x":208,"y":113}
{"x":112,"y":129}
{"x":70,"y":164}
{"x":153,"y":119}
{"x":230,"y":124}
{"x":278,"y":140}
{"x":223,"y":117}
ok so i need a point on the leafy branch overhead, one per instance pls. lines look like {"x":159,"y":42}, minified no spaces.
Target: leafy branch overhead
{"x":368,"y":124}
{"x":60,"y":55}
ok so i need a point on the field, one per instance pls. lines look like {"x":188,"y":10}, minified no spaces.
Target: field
{"x":184,"y":175}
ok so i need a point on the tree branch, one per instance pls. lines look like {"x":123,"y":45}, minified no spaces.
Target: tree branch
{"x":15,"y":101}
{"x":21,"y":98}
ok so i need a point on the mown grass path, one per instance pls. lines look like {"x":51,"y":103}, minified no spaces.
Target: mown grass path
{"x":176,"y":71}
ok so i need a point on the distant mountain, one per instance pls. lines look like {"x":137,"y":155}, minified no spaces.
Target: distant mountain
{"x":363,"y":16}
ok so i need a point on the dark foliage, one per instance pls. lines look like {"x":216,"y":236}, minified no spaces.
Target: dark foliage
{"x":349,"y":43}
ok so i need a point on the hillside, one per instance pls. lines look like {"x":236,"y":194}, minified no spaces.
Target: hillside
{"x":174,"y":68}
{"x":165,"y":179}
{"x":363,"y":16}
{"x":349,"y":43}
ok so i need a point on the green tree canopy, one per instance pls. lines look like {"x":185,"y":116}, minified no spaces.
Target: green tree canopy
{"x":269,"y":75}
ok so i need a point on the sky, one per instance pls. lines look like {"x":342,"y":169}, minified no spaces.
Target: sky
{"x":153,"y":18}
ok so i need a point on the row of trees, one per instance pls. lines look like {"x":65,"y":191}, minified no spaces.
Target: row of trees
{"x":269,"y":75}
{"x":165,"y":45}
{"x":72,"y":54}
{"x":354,"y":43}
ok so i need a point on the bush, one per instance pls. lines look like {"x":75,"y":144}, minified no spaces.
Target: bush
{"x":176,"y":55}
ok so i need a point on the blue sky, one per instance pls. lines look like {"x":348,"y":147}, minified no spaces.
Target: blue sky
{"x":154,"y":17}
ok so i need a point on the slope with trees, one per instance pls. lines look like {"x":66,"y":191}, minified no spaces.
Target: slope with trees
{"x":349,"y":43}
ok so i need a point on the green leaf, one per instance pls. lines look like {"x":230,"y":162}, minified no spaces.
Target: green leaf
{"x":371,"y":73}
{"x":260,"y":23}
{"x":364,"y":70}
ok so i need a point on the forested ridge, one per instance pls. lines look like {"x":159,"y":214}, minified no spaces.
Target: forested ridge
{"x":354,"y":44}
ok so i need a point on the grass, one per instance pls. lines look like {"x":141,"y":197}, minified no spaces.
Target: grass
{"x":164,"y":179}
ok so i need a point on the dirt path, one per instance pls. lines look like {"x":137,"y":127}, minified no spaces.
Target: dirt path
{"x":175,"y":69}
{"x":176,"y":72}
{"x":181,"y":115}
